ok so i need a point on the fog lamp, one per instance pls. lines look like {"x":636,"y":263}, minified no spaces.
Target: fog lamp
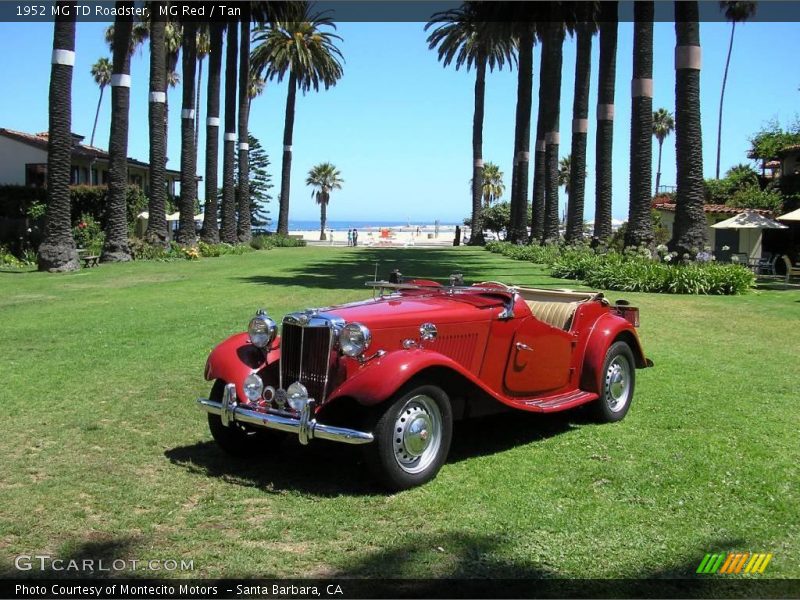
{"x":253,"y":386}
{"x":297,"y":396}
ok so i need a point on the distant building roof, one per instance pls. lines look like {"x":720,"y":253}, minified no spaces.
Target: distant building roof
{"x":788,"y":150}
{"x":718,"y":209}
{"x":39,"y":140}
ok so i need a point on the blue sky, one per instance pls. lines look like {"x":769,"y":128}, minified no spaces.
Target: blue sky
{"x":398,"y":125}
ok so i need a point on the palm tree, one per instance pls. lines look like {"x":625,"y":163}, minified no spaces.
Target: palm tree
{"x":323,"y":179}
{"x":243,"y":228}
{"x":465,"y":34}
{"x":604,"y":141}
{"x":173,"y":40}
{"x":203,"y":49}
{"x":101,"y":73}
{"x":228,"y":229}
{"x":554,"y":33}
{"x":564,"y":173}
{"x":580,"y":121}
{"x":493,"y":187}
{"x":210,"y":232}
{"x":663,"y":125}
{"x":517,"y":231}
{"x":735,"y":12}
{"x":57,"y":250}
{"x":256,"y":87}
{"x":115,"y":247}
{"x":689,"y":230}
{"x":186,"y":227}
{"x":157,"y":232}
{"x":301,"y":48}
{"x":640,"y":224}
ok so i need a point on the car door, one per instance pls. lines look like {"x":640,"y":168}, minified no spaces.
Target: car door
{"x":539,"y":359}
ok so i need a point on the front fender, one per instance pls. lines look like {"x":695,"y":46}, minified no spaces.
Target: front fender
{"x":608,"y":329}
{"x":235,"y":358}
{"x":378,"y":379}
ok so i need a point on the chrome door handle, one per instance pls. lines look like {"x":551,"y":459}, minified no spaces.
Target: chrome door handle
{"x":521,"y":346}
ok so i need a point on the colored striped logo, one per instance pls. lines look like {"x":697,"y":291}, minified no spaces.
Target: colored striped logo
{"x":732,"y":563}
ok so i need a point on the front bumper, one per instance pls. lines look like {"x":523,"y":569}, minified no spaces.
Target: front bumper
{"x":305,"y":427}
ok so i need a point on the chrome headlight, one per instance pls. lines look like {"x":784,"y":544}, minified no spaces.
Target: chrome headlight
{"x":297,"y":396}
{"x":354,"y":339}
{"x":262,"y":330}
{"x":253,"y":386}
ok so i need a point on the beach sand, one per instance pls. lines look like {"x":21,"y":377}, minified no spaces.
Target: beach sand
{"x":396,"y":236}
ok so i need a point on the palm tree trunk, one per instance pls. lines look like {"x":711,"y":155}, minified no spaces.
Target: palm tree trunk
{"x":97,"y":114}
{"x":476,"y":237}
{"x":722,"y":97}
{"x":186,"y":228}
{"x":537,"y":202}
{"x":604,"y":142}
{"x":286,"y":170}
{"x":243,"y":230}
{"x":157,"y":232}
{"x":580,"y":126}
{"x":689,"y":231}
{"x":640,"y":223}
{"x":552,"y":136}
{"x":210,"y":233}
{"x":518,"y":231}
{"x":323,"y":220}
{"x":57,"y":250}
{"x":197,"y":101}
{"x":115,"y":248}
{"x":228,"y":233}
{"x":658,"y":172}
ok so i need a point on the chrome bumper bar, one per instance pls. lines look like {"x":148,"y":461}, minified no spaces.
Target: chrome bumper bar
{"x":305,"y":427}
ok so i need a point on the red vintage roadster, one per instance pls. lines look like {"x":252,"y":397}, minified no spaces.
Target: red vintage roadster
{"x":393,"y":372}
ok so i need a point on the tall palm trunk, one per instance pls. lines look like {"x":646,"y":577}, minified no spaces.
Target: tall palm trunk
{"x":286,"y":170}
{"x":57,"y":250}
{"x":640,"y":223}
{"x":115,"y":248}
{"x":551,"y":135}
{"x":537,"y":202}
{"x":658,"y":171}
{"x":157,"y":232}
{"x":323,"y":219}
{"x":580,"y":127}
{"x":97,"y":114}
{"x":186,"y":229}
{"x":210,"y":233}
{"x":476,"y":237}
{"x":199,"y":83}
{"x":243,"y":230}
{"x":228,"y":233}
{"x":518,"y":231}
{"x":604,"y":142}
{"x":689,"y":231}
{"x":722,"y":97}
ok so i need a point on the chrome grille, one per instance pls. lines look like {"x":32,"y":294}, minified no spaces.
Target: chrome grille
{"x":305,"y":357}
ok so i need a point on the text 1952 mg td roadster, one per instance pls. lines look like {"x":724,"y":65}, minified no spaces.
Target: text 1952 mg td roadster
{"x":393,"y":372}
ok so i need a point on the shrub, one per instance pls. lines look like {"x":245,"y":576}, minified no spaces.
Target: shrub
{"x":754,"y":197}
{"x":9,"y":261}
{"x":266,"y":242}
{"x":214,"y":250}
{"x":89,"y":235}
{"x":141,"y":250}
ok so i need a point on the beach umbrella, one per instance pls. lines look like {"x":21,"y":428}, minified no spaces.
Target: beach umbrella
{"x":792,"y":216}
{"x":749,"y":220}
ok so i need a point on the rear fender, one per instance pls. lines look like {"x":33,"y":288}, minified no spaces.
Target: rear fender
{"x":608,"y":329}
{"x":380,"y":378}
{"x":235,"y":358}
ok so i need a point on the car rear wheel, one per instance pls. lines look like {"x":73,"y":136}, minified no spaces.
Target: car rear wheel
{"x":237,"y":439}
{"x":412,"y":437}
{"x":618,"y":382}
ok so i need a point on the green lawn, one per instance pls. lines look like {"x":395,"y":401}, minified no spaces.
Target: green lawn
{"x":105,"y":455}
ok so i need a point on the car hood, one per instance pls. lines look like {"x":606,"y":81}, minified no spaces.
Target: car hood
{"x":400,"y":310}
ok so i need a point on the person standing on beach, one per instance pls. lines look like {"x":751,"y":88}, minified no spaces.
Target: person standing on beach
{"x":355,"y":237}
{"x":349,"y":237}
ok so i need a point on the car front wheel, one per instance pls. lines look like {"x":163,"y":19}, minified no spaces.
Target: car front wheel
{"x":618,"y":381}
{"x":412,"y":438}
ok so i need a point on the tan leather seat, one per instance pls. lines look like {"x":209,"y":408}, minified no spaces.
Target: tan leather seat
{"x":557,"y":314}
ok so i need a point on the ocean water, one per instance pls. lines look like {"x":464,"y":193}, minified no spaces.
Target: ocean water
{"x":308,"y":225}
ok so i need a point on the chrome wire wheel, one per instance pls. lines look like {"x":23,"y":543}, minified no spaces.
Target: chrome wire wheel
{"x":618,"y":383}
{"x":417,"y":434}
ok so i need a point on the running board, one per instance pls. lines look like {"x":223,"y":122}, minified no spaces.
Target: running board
{"x":560,"y":402}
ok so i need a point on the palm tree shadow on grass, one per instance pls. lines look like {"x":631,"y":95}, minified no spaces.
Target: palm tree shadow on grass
{"x":329,"y":469}
{"x":353,"y":269}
